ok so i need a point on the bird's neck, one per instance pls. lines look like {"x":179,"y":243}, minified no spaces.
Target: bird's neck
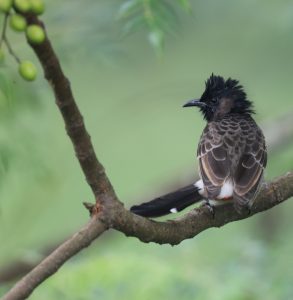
{"x":219,"y":118}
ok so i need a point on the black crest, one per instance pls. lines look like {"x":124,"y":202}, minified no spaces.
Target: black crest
{"x":218,"y":88}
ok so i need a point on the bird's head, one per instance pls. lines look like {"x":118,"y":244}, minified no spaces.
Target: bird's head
{"x":222,"y":97}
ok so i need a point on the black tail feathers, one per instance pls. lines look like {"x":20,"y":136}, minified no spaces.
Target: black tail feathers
{"x":172,"y":202}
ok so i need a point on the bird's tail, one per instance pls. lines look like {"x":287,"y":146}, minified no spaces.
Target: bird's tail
{"x":172,"y":202}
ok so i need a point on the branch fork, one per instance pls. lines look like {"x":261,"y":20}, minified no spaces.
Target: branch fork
{"x":108,"y":211}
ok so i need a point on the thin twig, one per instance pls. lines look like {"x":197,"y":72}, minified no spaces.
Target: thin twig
{"x":4,"y":39}
{"x":3,"y":32}
{"x":10,"y":50}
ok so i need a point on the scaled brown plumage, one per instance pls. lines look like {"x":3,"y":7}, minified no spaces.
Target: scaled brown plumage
{"x":232,"y":148}
{"x":231,"y":151}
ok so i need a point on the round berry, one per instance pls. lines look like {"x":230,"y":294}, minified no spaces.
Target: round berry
{"x":17,"y":22}
{"x":5,"y":5}
{"x":22,"y":5}
{"x":35,"y":34}
{"x":27,"y":70}
{"x":37,"y":6}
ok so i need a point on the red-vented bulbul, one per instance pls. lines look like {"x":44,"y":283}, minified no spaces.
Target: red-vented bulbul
{"x":231,"y":152}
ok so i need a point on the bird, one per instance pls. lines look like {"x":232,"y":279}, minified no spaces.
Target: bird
{"x":231,"y":153}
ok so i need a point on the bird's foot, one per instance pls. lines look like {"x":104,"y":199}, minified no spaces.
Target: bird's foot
{"x":248,"y":210}
{"x":210,"y":208}
{"x":244,"y":210}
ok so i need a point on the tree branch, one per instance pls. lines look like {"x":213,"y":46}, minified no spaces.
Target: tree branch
{"x":278,"y":133}
{"x":74,"y":124}
{"x":170,"y":232}
{"x":108,"y":211}
{"x":92,"y":169}
{"x":56,"y":259}
{"x":199,"y":219}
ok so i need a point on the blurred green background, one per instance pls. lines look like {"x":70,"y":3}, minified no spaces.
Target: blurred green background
{"x":132,"y":64}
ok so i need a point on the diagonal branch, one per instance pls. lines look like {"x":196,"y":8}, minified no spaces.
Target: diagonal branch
{"x":75,"y":127}
{"x":108,"y":211}
{"x":56,"y":259}
{"x":170,"y":232}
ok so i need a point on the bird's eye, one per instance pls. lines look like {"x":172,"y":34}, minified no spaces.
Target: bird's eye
{"x":214,"y":100}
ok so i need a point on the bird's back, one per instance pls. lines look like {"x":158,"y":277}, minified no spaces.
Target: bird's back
{"x":232,"y":149}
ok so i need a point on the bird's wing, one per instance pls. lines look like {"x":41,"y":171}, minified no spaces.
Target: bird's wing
{"x":249,"y":171}
{"x":213,"y":160}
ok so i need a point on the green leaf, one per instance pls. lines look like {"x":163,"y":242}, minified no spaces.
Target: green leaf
{"x":132,"y":25}
{"x":129,"y":8}
{"x":159,"y":17}
{"x":166,"y":18}
{"x":156,"y":38}
{"x":185,"y":4}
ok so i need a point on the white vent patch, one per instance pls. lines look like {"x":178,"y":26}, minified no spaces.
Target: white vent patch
{"x":199,"y":185}
{"x":226,"y":190}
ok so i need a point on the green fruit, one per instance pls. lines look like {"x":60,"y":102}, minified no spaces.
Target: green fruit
{"x":35,"y":34}
{"x":22,"y":5}
{"x":17,"y":22}
{"x":5,"y":5}
{"x":37,"y":6}
{"x":27,"y":70}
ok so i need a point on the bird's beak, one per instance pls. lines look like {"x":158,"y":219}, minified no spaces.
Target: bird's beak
{"x":194,"y":102}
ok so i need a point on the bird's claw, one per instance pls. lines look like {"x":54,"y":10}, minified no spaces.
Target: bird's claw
{"x":210,"y":208}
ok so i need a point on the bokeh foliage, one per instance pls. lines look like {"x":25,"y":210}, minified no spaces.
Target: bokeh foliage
{"x":131,"y":101}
